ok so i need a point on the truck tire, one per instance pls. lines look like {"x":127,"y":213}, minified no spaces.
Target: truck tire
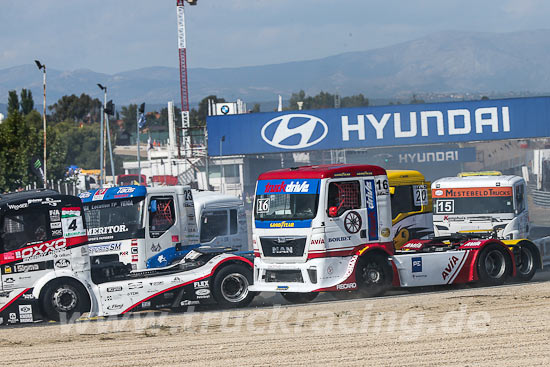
{"x":230,"y":286}
{"x":64,"y":300}
{"x":294,"y":297}
{"x":493,"y":265}
{"x":374,"y":275}
{"x":527,"y":266}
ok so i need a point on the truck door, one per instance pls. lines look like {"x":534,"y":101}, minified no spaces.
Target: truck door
{"x":346,"y":223}
{"x":162,"y":225}
{"x":23,"y":234}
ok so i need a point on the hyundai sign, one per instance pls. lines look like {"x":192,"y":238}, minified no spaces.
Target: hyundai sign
{"x":365,"y":127}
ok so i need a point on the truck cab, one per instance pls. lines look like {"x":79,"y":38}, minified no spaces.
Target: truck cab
{"x":311,"y":223}
{"x":42,"y":240}
{"x":221,"y":220}
{"x":141,"y":226}
{"x":483,"y":203}
{"x":411,"y":203}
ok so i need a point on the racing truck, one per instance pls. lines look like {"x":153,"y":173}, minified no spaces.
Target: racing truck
{"x":329,"y":228}
{"x":47,"y":272}
{"x":150,"y":227}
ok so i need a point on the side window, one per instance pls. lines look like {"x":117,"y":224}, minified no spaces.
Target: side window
{"x":520,"y":197}
{"x":402,"y":201}
{"x":162,"y":215}
{"x":233,"y":221}
{"x":213,"y":224}
{"x":23,"y":228}
{"x":344,"y":195}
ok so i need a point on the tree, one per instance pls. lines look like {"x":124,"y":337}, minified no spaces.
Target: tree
{"x":27,"y":103}
{"x":416,"y":100}
{"x":203,"y":108}
{"x":73,"y":108}
{"x":256,"y":108}
{"x":13,"y":102}
{"x":325,"y":100}
{"x":355,"y":101}
{"x":129,"y":118}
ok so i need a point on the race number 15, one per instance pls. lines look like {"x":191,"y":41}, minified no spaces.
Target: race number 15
{"x":445,"y":207}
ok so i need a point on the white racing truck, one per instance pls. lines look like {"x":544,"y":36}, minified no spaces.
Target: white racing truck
{"x":46,"y":272}
{"x":150,"y":227}
{"x":328,"y":228}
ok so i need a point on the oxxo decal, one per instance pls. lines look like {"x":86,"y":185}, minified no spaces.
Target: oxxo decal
{"x":41,"y":249}
{"x":449,"y":268}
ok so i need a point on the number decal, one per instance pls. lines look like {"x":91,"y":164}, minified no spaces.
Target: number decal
{"x":188,"y":195}
{"x":262,"y":206}
{"x":420,"y":193}
{"x":72,"y":226}
{"x":382,"y":187}
{"x":445,"y":207}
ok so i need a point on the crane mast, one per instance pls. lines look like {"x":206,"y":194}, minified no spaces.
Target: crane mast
{"x":183,"y":80}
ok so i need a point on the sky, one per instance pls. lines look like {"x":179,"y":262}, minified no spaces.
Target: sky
{"x":113,"y":36}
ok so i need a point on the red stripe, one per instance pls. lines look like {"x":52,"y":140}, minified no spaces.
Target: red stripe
{"x":189,"y":282}
{"x":13,"y":300}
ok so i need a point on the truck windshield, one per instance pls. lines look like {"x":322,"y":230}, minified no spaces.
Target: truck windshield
{"x":286,"y":206}
{"x":474,"y":205}
{"x":114,"y":219}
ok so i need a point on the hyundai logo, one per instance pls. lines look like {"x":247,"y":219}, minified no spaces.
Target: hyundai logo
{"x":305,"y":127}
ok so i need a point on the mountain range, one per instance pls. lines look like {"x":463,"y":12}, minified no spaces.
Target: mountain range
{"x":441,"y":63}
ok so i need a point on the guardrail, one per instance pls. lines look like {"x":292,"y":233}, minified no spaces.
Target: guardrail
{"x":544,"y":247}
{"x":541,"y":198}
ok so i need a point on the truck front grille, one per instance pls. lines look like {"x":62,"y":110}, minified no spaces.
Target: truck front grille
{"x":283,"y":246}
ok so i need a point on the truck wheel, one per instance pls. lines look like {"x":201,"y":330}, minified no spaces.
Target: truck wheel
{"x":527,"y":265}
{"x":374,"y":275}
{"x":231,"y":286}
{"x":64,"y":299}
{"x":294,"y":297}
{"x":493,"y":265}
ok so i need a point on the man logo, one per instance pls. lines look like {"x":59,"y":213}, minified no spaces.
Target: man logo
{"x":305,"y":126}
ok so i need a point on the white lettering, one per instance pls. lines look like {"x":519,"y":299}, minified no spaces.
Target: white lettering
{"x":453,"y":129}
{"x":379,"y":125}
{"x":491,"y":120}
{"x":399,"y":133}
{"x":505,"y":119}
{"x":359,"y":127}
{"x":425,"y":115}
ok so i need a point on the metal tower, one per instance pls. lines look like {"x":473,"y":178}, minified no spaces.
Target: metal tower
{"x":183,"y":77}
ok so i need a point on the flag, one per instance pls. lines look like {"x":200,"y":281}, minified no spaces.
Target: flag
{"x":149,"y":143}
{"x":142,"y":120}
{"x":37,"y":167}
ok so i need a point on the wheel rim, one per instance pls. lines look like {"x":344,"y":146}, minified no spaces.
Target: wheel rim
{"x":495,"y":264}
{"x":234,"y":287}
{"x":64,"y":299}
{"x":372,"y":274}
{"x":527,"y":261}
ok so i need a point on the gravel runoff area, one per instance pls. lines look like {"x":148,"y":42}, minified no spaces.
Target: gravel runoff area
{"x":497,"y":326}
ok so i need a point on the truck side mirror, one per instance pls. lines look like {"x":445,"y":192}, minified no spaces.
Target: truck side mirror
{"x":333,"y":211}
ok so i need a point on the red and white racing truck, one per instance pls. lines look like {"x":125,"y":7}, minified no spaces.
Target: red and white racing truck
{"x":46,"y":272}
{"x":328,"y":228}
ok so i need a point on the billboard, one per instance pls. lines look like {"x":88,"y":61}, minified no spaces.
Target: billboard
{"x":379,"y":126}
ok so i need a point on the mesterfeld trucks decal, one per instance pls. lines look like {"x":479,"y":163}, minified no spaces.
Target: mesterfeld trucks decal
{"x":378,"y":126}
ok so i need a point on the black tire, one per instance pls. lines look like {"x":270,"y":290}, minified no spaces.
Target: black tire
{"x":374,"y":275}
{"x":493,"y":265}
{"x":294,"y":297}
{"x":527,"y":265}
{"x":230,"y":286}
{"x":64,"y":300}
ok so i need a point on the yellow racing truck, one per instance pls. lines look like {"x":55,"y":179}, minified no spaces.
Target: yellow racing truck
{"x":411,"y":204}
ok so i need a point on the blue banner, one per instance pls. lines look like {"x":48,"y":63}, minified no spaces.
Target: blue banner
{"x":365,"y":127}
{"x":288,"y":186}
{"x":121,"y":192}
{"x":283,"y":224}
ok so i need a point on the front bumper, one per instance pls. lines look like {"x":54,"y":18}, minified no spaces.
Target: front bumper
{"x":311,"y":276}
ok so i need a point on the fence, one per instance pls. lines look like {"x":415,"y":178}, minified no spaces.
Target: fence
{"x":63,"y":187}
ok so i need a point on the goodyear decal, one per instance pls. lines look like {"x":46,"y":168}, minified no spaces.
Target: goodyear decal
{"x":372,"y":209}
{"x":283,"y":224}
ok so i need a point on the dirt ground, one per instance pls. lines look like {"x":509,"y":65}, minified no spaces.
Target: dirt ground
{"x":503,"y":326}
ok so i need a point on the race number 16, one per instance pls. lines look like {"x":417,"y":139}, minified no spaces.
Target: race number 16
{"x":262,"y":206}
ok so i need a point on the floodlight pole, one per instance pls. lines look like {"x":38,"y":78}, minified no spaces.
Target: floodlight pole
{"x":43,"y":68}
